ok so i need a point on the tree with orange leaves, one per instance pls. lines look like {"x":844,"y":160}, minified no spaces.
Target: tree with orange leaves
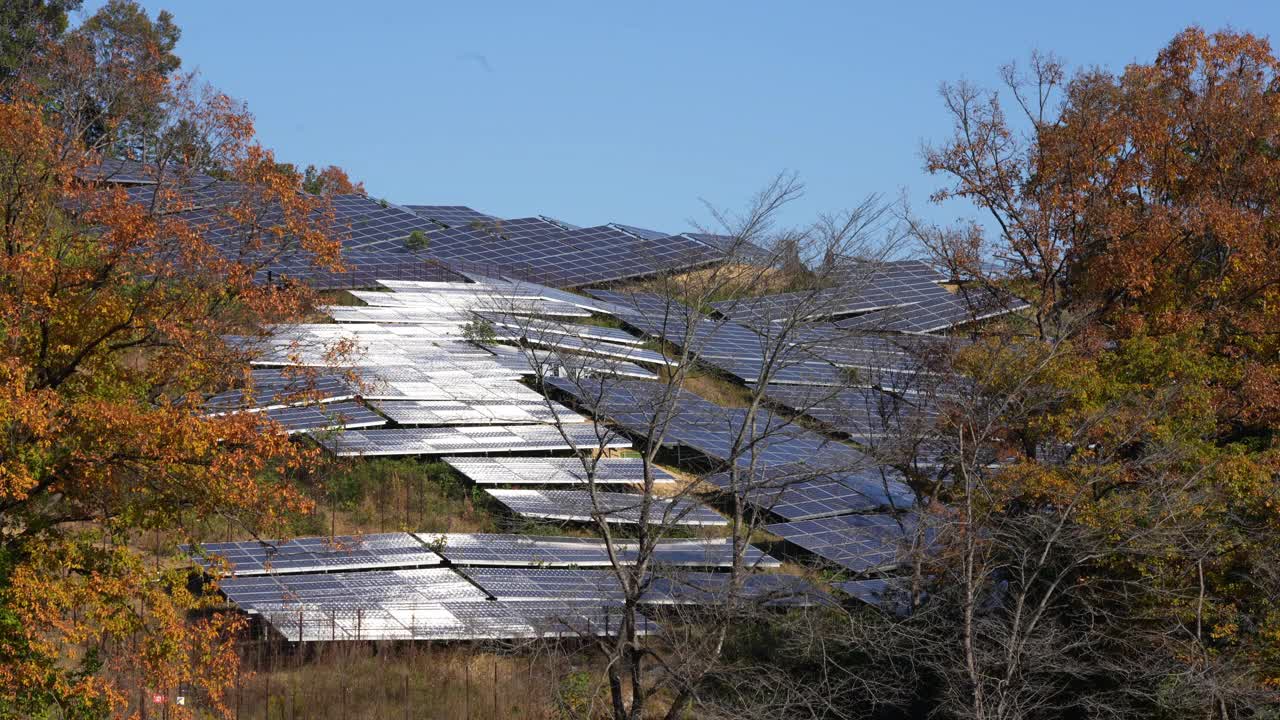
{"x":113,"y":315}
{"x":331,"y":180}
{"x":1122,"y":559}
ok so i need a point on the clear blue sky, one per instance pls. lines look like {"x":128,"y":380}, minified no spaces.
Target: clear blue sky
{"x":631,"y":112}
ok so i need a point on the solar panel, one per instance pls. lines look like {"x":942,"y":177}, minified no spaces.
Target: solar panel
{"x":685,"y":419}
{"x":585,"y":506}
{"x":546,"y":551}
{"x":529,"y":361}
{"x":465,"y":388}
{"x":544,"y":619}
{"x":278,"y":388}
{"x":329,"y":416}
{"x":556,"y":471}
{"x":802,"y":494}
{"x":528,"y":327}
{"x":857,"y":542}
{"x":596,"y":348}
{"x":176,"y":195}
{"x":431,"y":604}
{"x":730,"y":346}
{"x":471,"y":439}
{"x":897,"y":296}
{"x":939,"y":311}
{"x":892,"y":594}
{"x":457,"y":304}
{"x":367,"y":222}
{"x":858,"y":286}
{"x":862,"y":413}
{"x":538,"y":248}
{"x":476,"y":412}
{"x":451,"y":215}
{"x":313,"y":554}
{"x":705,"y":588}
{"x":516,"y":584}
{"x":132,"y":172}
{"x":684,"y":588}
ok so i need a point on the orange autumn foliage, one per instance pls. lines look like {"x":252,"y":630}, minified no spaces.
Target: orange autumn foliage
{"x":113,"y":315}
{"x":1143,"y":199}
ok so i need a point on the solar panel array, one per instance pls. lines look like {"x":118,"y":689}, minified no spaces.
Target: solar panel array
{"x":451,"y":215}
{"x":316,"y":554}
{"x":701,"y":588}
{"x":123,"y":171}
{"x":476,"y":412}
{"x":269,"y":388}
{"x":859,"y":543}
{"x":545,"y":251}
{"x":557,"y":471}
{"x":545,"y":363}
{"x":328,"y":416}
{"x":486,"y":549}
{"x":613,"y":507}
{"x":730,"y":346}
{"x":413,"y":349}
{"x":890,"y":594}
{"x":471,"y":439}
{"x":432,"y":604}
{"x":797,"y":493}
{"x":862,"y":413}
{"x":688,"y":420}
{"x":905,"y":296}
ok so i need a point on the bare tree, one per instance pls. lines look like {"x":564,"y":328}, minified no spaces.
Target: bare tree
{"x":810,"y":274}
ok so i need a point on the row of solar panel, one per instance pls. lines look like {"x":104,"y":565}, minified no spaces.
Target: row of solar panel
{"x":407,"y":550}
{"x":375,"y":234}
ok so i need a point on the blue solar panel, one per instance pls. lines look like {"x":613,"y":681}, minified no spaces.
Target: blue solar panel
{"x":316,"y":554}
{"x":798,"y":493}
{"x":688,"y":420}
{"x":275,"y":388}
{"x":327,"y":416}
{"x":862,"y":413}
{"x":542,"y":250}
{"x":700,"y":588}
{"x":451,"y":216}
{"x":856,"y":542}
{"x":730,"y":346}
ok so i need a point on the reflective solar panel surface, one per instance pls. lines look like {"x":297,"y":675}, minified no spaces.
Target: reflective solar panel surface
{"x":471,"y":439}
{"x":271,"y":387}
{"x":797,"y":493}
{"x":313,"y":554}
{"x":693,"y":422}
{"x":683,"y":587}
{"x":544,"y":251}
{"x":857,"y":542}
{"x":584,"y":506}
{"x":730,"y":346}
{"x":469,"y":549}
{"x":556,"y":471}
{"x":451,"y":215}
{"x":432,"y":604}
{"x":476,"y":412}
{"x":892,"y":594}
{"x":328,"y":416}
{"x":862,"y":413}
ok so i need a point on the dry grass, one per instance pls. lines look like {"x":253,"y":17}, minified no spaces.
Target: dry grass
{"x":716,"y":389}
{"x":723,"y":282}
{"x":359,"y":682}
